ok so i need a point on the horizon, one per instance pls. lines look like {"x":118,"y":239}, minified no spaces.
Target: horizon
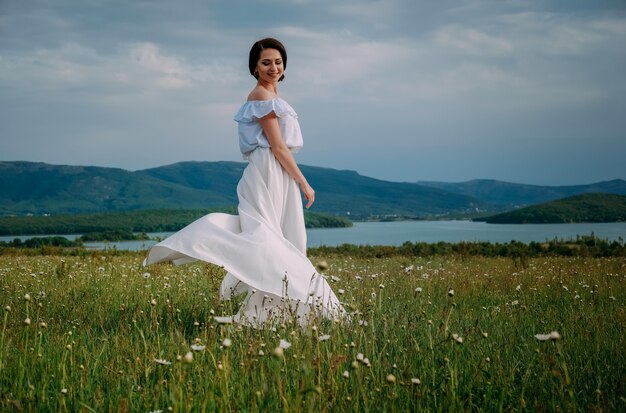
{"x":400,"y":90}
{"x":323,"y":167}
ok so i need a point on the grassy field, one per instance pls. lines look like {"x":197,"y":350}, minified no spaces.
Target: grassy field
{"x":101,"y":333}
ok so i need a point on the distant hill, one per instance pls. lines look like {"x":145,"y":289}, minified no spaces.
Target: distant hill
{"x":39,"y":188}
{"x":509,"y":195}
{"x":578,"y":208}
{"x":145,"y":220}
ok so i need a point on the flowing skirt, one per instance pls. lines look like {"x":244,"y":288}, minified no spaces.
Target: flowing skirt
{"x":263,"y":249}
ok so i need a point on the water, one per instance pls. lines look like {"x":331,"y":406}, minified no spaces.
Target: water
{"x":396,"y":233}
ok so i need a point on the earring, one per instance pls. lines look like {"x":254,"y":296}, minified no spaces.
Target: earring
{"x":256,"y":73}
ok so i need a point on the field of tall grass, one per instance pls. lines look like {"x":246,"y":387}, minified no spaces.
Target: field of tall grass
{"x":99,"y":332}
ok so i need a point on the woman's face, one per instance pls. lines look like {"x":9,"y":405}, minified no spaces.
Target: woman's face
{"x":270,"y":66}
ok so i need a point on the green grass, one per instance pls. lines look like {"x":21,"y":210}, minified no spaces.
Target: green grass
{"x":106,"y":322}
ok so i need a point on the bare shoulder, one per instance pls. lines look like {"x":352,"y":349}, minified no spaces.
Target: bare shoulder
{"x":259,"y":93}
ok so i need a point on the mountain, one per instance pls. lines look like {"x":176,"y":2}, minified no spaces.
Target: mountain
{"x":39,"y":188}
{"x":579,"y":208}
{"x":510,"y":195}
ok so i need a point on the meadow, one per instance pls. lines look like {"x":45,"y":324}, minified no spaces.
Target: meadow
{"x":98,"y":332}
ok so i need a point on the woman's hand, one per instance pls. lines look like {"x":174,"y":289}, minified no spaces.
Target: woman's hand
{"x":309,"y":193}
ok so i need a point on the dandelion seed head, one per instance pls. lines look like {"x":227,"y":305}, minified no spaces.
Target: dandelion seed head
{"x":322,"y":265}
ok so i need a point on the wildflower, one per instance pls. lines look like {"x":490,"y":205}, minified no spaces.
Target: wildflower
{"x":391,"y":378}
{"x":27,"y":321}
{"x":416,"y":381}
{"x":515,"y":302}
{"x":488,"y":360}
{"x":485,"y":334}
{"x":7,"y":308}
{"x":418,"y":290}
{"x":408,"y":269}
{"x":360,"y":357}
{"x":324,"y":337}
{"x":450,"y":292}
{"x":519,"y":287}
{"x":196,"y":324}
{"x":43,"y":325}
{"x":340,"y":291}
{"x":358,"y":278}
{"x":227,"y":342}
{"x":334,"y":278}
{"x":63,"y":391}
{"x":355,"y":364}
{"x":346,"y":374}
{"x":284,"y":344}
{"x":261,"y":353}
{"x":188,"y":357}
{"x":197,"y":347}
{"x":153,"y":302}
{"x":26,"y":297}
{"x":162,"y":362}
{"x":68,"y":347}
{"x":457,"y":338}
{"x":554,"y":335}
{"x":278,"y":352}
{"x":223,"y":320}
{"x":146,"y":275}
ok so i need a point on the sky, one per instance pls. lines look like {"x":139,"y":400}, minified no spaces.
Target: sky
{"x":402,"y":90}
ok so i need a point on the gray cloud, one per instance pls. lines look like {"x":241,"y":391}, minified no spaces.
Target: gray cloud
{"x":396,"y":89}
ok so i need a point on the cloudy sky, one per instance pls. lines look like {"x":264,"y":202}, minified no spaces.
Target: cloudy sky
{"x":403,"y":90}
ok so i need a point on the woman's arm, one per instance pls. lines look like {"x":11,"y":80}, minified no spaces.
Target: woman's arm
{"x":270,"y":126}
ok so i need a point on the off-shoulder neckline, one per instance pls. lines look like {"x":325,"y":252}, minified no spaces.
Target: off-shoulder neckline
{"x":265,"y":100}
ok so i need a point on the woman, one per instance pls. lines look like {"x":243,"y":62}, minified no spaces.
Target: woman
{"x":263,"y":249}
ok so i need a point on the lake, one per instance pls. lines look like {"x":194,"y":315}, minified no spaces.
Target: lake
{"x":396,"y":233}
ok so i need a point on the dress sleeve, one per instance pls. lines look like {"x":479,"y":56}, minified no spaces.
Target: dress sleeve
{"x":254,"y":110}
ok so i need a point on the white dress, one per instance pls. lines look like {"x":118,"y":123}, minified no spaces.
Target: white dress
{"x":263,"y":249}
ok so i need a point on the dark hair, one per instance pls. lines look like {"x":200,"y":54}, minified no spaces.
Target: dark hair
{"x":259,"y":46}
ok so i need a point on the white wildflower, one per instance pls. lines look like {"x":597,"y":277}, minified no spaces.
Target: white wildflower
{"x":227,"y":342}
{"x":197,"y":347}
{"x":223,"y":320}
{"x":284,"y":344}
{"x":162,"y":362}
{"x":324,"y":337}
{"x":554,"y":335}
